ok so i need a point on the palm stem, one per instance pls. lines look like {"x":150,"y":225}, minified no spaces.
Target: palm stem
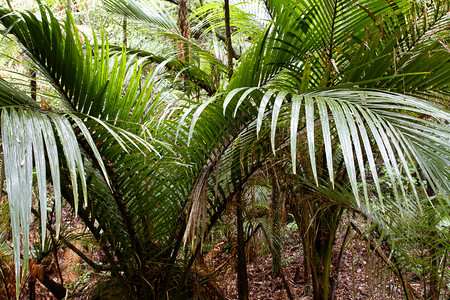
{"x":228,"y":38}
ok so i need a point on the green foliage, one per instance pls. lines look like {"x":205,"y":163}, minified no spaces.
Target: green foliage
{"x":150,"y":148}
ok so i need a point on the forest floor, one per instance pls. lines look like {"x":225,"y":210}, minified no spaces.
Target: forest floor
{"x":353,"y":277}
{"x":362,"y":274}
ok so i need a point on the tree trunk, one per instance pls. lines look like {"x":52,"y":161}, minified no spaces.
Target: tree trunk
{"x":33,"y":84}
{"x":242,"y":281}
{"x":184,"y":28}
{"x":433,"y":255}
{"x":228,"y":38}
{"x":317,"y":224}
{"x":322,"y":251}
{"x":124,"y":32}
{"x":275,"y":226}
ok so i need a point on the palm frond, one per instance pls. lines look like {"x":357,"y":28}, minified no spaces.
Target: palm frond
{"x":152,"y":17}
{"x":90,"y":84}
{"x":153,"y":13}
{"x":27,"y":136}
{"x":387,"y":123}
{"x":189,"y":71}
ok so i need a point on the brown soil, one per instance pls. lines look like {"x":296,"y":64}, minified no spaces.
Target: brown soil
{"x":363,"y":275}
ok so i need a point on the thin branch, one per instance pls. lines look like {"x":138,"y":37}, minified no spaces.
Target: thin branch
{"x":173,"y":2}
{"x":9,"y":5}
{"x":72,"y":247}
{"x":224,"y":39}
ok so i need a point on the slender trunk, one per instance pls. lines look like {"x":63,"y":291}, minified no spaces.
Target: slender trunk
{"x":283,"y":277}
{"x":33,"y":84}
{"x":236,"y":175}
{"x":275,"y":226}
{"x":433,"y":255}
{"x":334,"y":281}
{"x":321,"y":255}
{"x":242,"y":281}
{"x":317,"y":225}
{"x":184,"y":28}
{"x":55,"y":254}
{"x":228,"y":36}
{"x":124,"y":32}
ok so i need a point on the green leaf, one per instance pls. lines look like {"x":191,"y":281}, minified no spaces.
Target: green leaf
{"x":321,"y":103}
{"x":346,"y":144}
{"x":295,"y":114}
{"x":262,"y":108}
{"x":275,"y":112}
{"x":310,"y":128}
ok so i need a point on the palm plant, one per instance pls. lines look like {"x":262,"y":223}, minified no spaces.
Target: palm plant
{"x":313,"y":56}
{"x":342,"y":86}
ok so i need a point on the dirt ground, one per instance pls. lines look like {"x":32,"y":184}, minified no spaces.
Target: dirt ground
{"x":362,"y":275}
